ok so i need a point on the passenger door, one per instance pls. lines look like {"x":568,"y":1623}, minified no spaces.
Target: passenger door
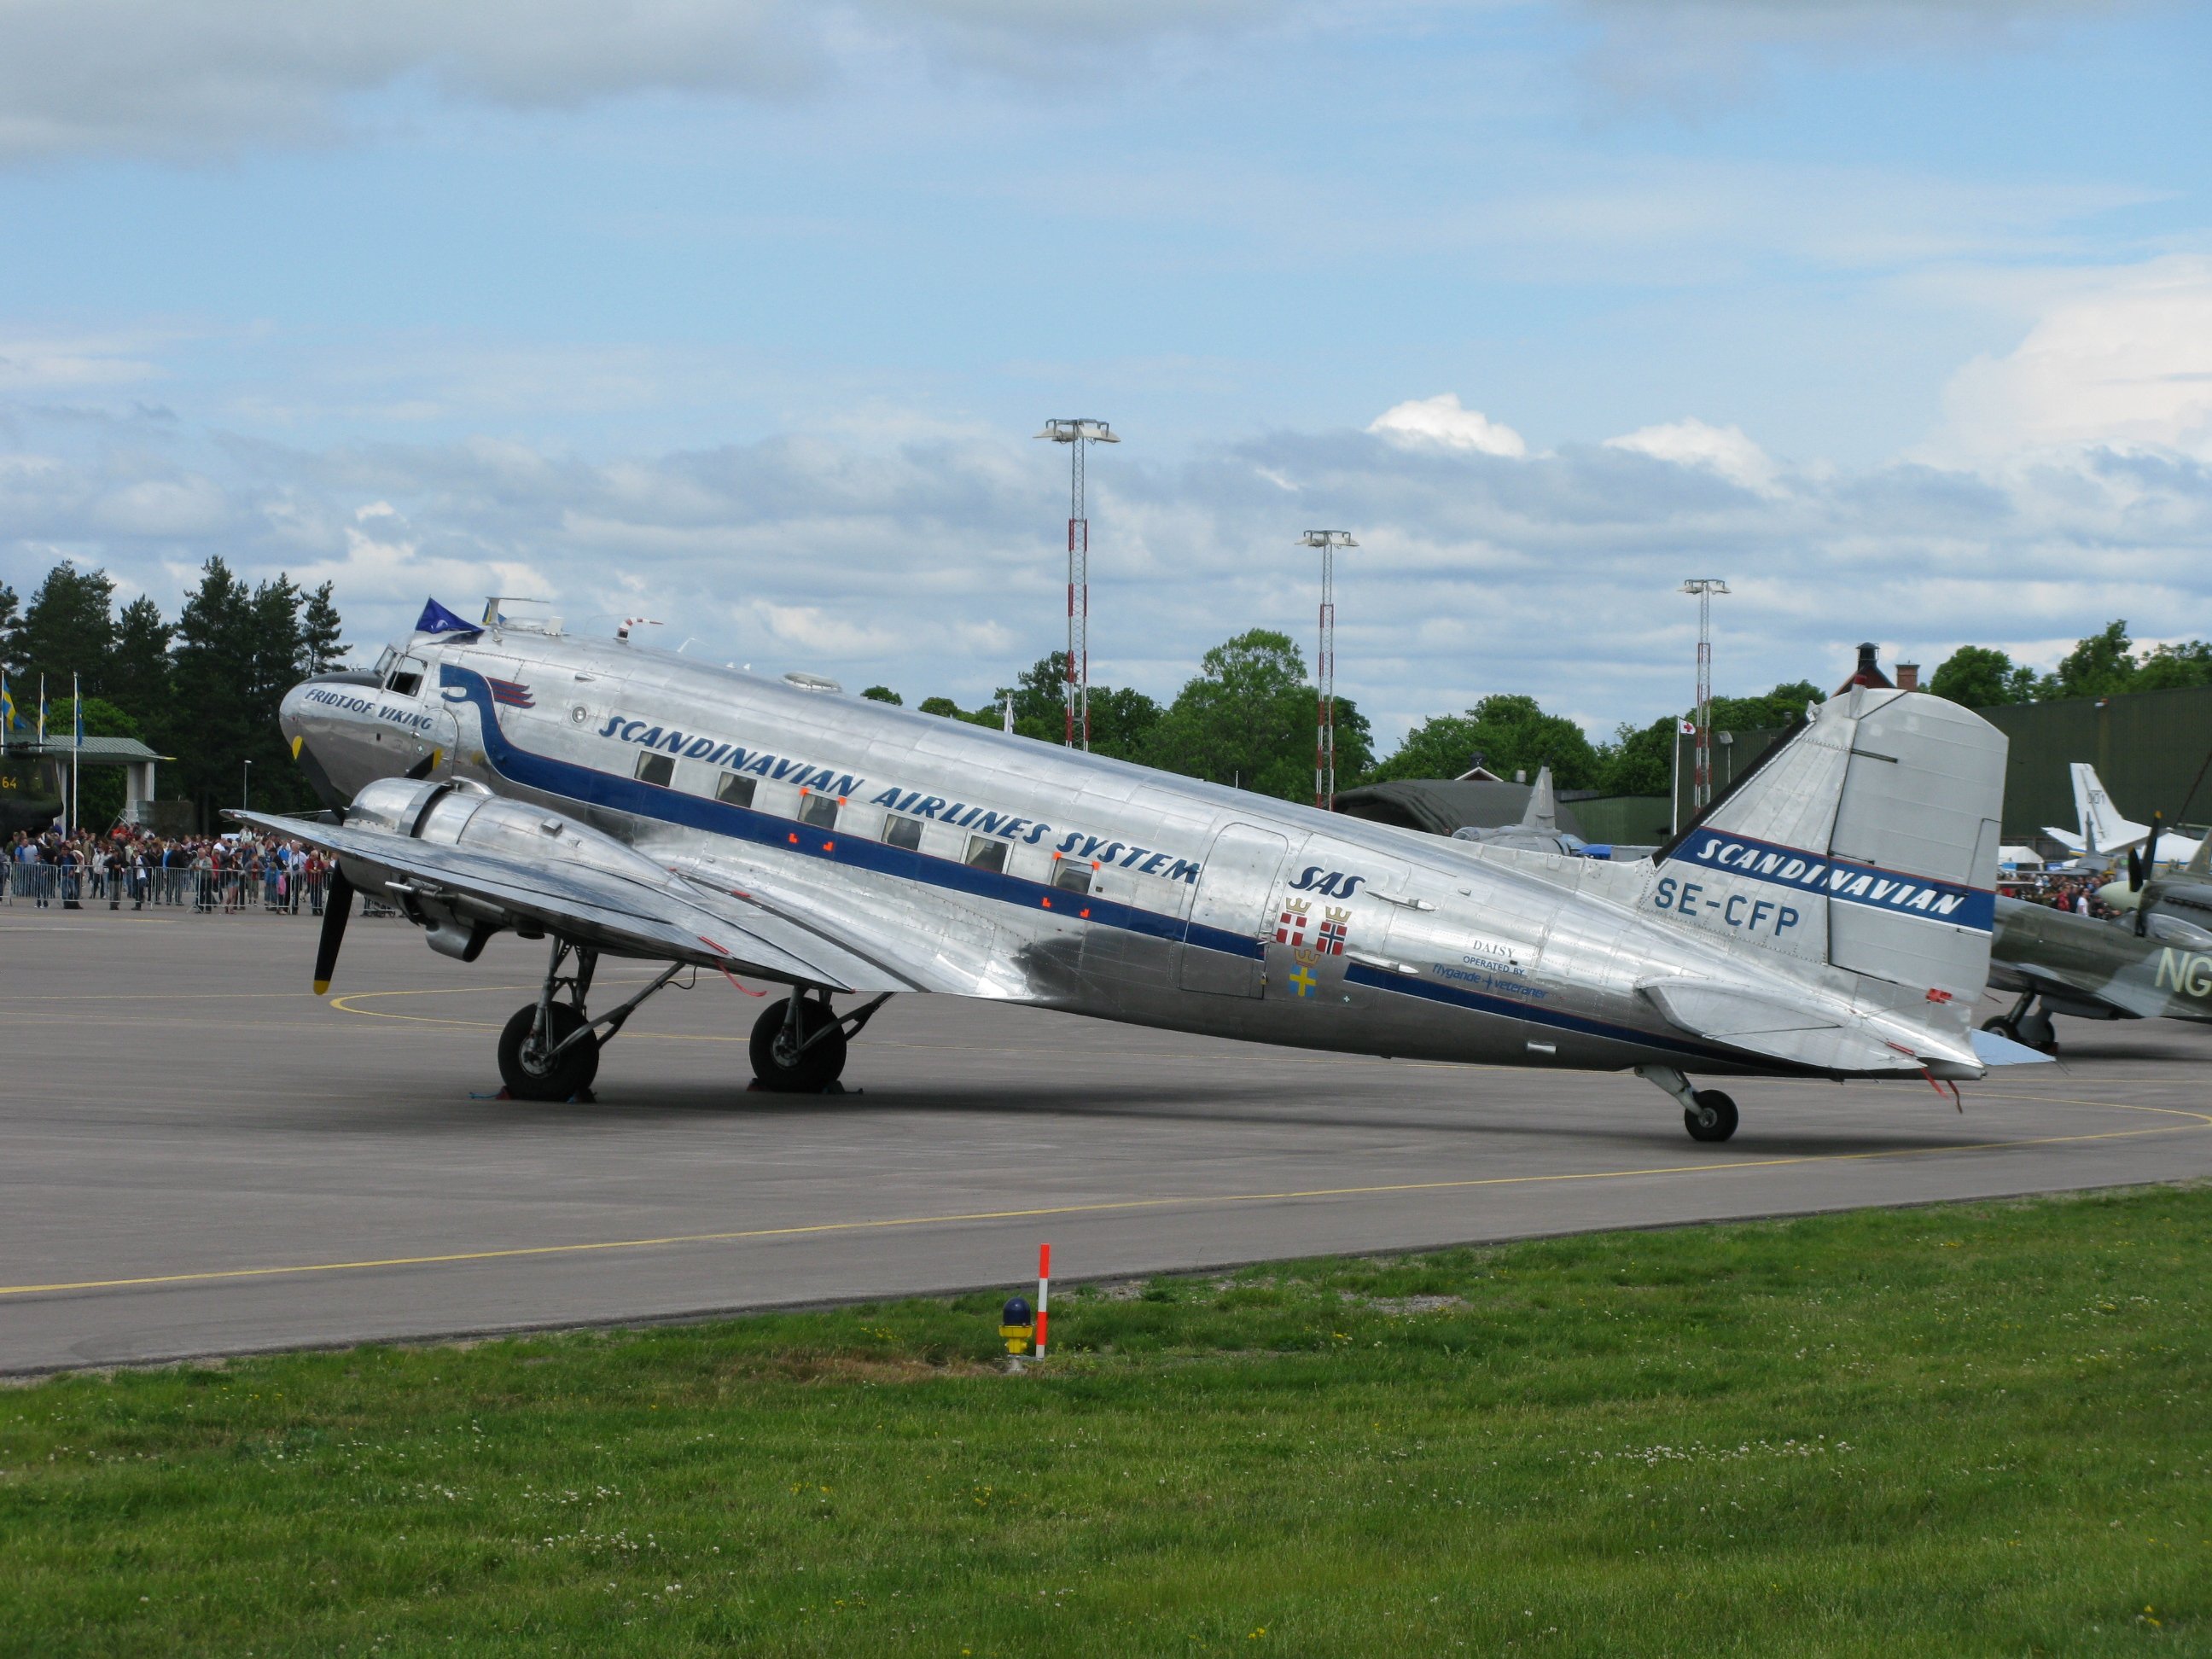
{"x":1229,"y":913}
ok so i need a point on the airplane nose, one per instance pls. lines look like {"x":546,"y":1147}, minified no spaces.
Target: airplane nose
{"x":290,"y":711}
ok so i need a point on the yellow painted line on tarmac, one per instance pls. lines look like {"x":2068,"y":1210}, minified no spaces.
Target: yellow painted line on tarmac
{"x":1194,"y":1200}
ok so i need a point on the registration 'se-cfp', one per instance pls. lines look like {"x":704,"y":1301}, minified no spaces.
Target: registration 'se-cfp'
{"x":1830,"y":918}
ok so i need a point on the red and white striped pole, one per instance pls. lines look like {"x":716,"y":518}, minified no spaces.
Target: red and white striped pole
{"x":1044,"y":1293}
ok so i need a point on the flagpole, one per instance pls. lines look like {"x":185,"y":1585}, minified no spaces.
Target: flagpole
{"x":76,"y":752}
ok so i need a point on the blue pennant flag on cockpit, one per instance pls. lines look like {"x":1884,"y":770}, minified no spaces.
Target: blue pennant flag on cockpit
{"x":436,"y":619}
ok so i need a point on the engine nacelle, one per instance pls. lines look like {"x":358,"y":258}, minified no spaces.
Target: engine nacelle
{"x":466,"y":815}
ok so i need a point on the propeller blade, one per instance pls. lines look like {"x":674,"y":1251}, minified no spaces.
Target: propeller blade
{"x":318,"y":780}
{"x":423,"y":768}
{"x":2134,"y":871}
{"x":337,"y":910}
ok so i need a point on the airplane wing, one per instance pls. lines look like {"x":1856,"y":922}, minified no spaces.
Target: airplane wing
{"x":639,"y":911}
{"x":1796,"y":1033}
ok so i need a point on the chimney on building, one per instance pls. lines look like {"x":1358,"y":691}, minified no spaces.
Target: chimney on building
{"x":1908,"y":676}
{"x":1869,"y":672}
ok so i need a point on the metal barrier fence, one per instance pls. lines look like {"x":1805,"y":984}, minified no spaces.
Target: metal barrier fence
{"x":273,"y":891}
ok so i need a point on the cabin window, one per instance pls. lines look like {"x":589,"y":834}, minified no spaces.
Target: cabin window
{"x":656,"y":769}
{"x":406,"y":678}
{"x":902,"y":832}
{"x":986,"y":853}
{"x":735,"y":791}
{"x":1073,"y":875}
{"x":820,"y":810}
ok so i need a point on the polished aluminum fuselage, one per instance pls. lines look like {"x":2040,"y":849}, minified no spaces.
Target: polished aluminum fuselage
{"x":1208,"y":909}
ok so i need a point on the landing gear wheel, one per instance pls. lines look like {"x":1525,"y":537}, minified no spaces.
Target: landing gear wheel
{"x":2002,"y":1027}
{"x":787,"y":1067}
{"x":1713,"y":1118}
{"x":523,"y":1067}
{"x":2035,"y":1031}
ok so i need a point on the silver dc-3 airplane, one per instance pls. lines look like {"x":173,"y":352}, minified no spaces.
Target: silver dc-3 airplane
{"x":1830,"y":917}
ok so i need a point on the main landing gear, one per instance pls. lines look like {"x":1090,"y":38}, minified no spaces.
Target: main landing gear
{"x":1707,"y":1114}
{"x":799,"y":1044}
{"x":2026,"y":1024}
{"x":549,"y":1048}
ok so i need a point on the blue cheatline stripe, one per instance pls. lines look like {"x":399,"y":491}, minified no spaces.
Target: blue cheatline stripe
{"x":1452,"y":996}
{"x":1924,"y":896}
{"x":572,"y":781}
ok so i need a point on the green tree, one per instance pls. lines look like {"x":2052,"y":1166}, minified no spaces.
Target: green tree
{"x":1510,"y":733}
{"x":11,"y":627}
{"x":2169,"y":668}
{"x":1248,"y":719}
{"x":139,"y":669}
{"x":69,"y":630}
{"x":1979,"y":677}
{"x":944,"y":706}
{"x":238,"y":652}
{"x":1640,"y":761}
{"x":321,"y":647}
{"x":1785,"y":705}
{"x":884,"y":694}
{"x":1121,"y":718}
{"x":2098,"y":666}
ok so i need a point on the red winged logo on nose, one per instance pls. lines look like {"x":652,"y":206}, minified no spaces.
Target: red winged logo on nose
{"x":511,"y":694}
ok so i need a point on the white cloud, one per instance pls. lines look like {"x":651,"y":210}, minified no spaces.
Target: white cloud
{"x":140,"y":76}
{"x":1441,"y":420}
{"x":1691,"y":442}
{"x":2125,"y":362}
{"x":935,"y":566}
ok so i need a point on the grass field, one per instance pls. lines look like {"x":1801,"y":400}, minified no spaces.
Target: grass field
{"x":1978,"y":1428}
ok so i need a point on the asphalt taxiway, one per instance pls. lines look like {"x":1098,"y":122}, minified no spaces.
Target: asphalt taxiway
{"x":198,"y":1157}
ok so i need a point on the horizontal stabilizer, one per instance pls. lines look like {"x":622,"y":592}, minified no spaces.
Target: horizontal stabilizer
{"x":1993,"y":1048}
{"x":1794,"y":1032}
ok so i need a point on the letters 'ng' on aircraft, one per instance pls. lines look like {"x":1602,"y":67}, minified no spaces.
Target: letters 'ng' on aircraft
{"x":2154,"y":964}
{"x":1829,"y":917}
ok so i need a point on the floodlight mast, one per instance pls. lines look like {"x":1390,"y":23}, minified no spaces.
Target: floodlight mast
{"x":1325,"y":667}
{"x":1075,"y":433}
{"x":1701,"y":776}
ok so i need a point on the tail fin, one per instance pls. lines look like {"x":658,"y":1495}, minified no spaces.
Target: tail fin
{"x":1867,"y":842}
{"x":2103,"y":828}
{"x":1542,"y":812}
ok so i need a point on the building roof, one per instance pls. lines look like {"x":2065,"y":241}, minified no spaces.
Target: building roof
{"x":1441,"y":805}
{"x":97,"y":752}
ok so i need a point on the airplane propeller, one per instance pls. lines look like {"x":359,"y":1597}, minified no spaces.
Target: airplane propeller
{"x":337,"y":910}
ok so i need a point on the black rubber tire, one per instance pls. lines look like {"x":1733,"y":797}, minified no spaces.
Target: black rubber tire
{"x":810,"y":1070}
{"x":568,"y":1076}
{"x":1714,"y":1117}
{"x":2001,"y":1026}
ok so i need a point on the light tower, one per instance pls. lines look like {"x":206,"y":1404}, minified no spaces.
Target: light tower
{"x":1701,"y":778}
{"x":1076,"y":434}
{"x":1325,"y":667}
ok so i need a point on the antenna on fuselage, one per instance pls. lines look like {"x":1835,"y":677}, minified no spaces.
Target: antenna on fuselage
{"x":629,"y":623}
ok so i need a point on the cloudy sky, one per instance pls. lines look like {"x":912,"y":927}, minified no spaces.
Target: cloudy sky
{"x":740,"y":314}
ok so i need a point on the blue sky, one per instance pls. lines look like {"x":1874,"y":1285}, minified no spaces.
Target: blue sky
{"x":1899,"y":317}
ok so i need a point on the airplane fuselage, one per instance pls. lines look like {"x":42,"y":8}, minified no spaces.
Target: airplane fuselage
{"x":994,"y":866}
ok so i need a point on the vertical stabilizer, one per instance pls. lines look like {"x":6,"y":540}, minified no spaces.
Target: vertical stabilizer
{"x":2103,"y":828}
{"x":1542,"y":812}
{"x":1867,"y":842}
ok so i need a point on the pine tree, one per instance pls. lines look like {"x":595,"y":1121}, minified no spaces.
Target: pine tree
{"x":11,"y":624}
{"x":320,"y":646}
{"x":139,"y":671}
{"x":209,"y":723}
{"x":69,"y":627}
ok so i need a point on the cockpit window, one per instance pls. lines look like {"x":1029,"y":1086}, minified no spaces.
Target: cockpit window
{"x":384,"y":662}
{"x":406,"y":678}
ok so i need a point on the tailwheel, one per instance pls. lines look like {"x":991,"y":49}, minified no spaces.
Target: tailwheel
{"x":531,"y":1067}
{"x":2001,"y":1026}
{"x":797,"y":1047}
{"x":1712,"y":1118}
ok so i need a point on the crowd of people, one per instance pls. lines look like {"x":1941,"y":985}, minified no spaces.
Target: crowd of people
{"x":132,"y":869}
{"x":2076,"y":894}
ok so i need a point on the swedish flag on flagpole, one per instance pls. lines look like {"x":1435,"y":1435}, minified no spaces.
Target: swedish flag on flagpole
{"x":7,"y":710}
